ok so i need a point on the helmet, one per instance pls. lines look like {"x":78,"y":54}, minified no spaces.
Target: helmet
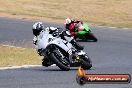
{"x":67,"y":21}
{"x":37,"y":27}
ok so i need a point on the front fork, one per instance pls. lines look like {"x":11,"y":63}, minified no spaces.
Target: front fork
{"x":79,"y":54}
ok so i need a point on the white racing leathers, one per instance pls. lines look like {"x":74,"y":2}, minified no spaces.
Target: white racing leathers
{"x":44,"y":39}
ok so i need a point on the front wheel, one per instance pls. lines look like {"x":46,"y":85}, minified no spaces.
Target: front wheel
{"x":86,"y":62}
{"x":62,"y":63}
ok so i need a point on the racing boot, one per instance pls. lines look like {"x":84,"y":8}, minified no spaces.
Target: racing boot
{"x":76,"y":45}
{"x":46,"y":62}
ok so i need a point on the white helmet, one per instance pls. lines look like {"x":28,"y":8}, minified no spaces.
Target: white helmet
{"x":37,"y":27}
{"x":67,"y":21}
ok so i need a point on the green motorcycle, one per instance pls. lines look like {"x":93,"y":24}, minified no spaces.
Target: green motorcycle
{"x":84,"y":32}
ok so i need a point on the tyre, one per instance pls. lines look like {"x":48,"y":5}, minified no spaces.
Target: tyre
{"x":62,"y":63}
{"x":86,"y":62}
{"x":90,"y":36}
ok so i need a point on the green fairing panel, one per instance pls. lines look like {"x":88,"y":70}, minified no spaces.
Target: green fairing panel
{"x":81,"y":32}
{"x":87,"y":27}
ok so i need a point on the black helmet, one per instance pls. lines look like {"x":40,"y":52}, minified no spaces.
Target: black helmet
{"x":37,"y":27}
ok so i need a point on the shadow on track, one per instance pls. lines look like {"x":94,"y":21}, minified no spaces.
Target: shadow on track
{"x":51,"y":69}
{"x":84,"y":40}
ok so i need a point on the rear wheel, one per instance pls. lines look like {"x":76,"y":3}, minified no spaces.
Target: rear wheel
{"x":62,"y":63}
{"x":90,"y":36}
{"x":86,"y":62}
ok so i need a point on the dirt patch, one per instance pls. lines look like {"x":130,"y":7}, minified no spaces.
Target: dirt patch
{"x":13,"y":56}
{"x":101,"y":12}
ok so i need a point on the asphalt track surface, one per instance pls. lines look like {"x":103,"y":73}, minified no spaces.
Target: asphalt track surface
{"x":111,"y":54}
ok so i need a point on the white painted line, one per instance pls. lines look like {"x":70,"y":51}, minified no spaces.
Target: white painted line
{"x":112,"y":27}
{"x":108,"y":27}
{"x":23,"y":66}
{"x":12,"y":46}
{"x":16,"y":67}
{"x":125,"y":28}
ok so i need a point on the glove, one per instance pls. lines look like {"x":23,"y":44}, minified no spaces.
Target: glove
{"x":35,"y":40}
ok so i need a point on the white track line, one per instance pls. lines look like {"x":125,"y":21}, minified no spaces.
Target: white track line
{"x":112,"y":27}
{"x":12,"y":46}
{"x":16,"y":67}
{"x":23,"y":66}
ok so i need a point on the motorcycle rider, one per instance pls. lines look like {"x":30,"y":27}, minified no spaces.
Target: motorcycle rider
{"x":70,"y":25}
{"x":38,"y":28}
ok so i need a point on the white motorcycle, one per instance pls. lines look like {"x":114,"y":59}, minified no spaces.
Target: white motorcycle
{"x":62,"y":53}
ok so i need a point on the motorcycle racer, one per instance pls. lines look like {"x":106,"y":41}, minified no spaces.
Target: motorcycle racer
{"x":80,"y":29}
{"x":70,"y":25}
{"x":38,"y":28}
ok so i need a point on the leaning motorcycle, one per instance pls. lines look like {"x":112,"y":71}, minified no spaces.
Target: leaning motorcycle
{"x":62,"y":53}
{"x":84,"y":32}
